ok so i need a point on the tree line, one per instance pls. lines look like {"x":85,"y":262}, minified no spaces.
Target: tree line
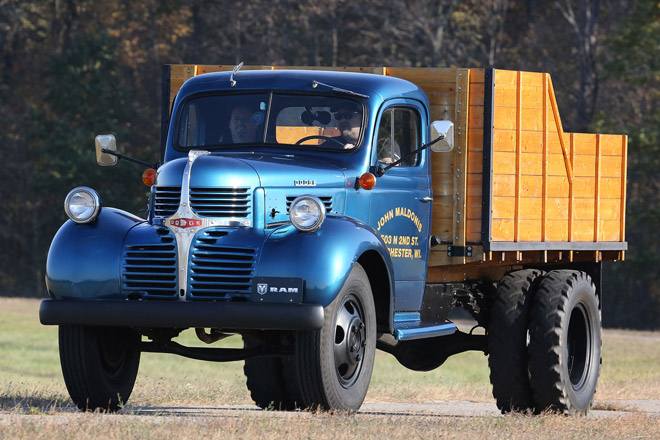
{"x":71,"y":69}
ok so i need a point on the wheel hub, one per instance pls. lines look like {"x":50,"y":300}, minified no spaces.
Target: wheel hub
{"x":350,"y":342}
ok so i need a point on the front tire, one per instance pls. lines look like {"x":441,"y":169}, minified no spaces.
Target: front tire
{"x":99,"y":365}
{"x":336,"y":362}
{"x":565,"y":343}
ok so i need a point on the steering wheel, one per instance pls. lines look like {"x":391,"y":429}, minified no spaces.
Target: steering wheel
{"x":326,"y":138}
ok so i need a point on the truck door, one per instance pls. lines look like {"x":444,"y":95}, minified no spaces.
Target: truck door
{"x":401,"y":200}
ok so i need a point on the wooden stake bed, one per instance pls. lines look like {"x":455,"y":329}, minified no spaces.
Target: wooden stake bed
{"x":516,"y":190}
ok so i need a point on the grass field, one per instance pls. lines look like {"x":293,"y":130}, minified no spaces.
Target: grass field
{"x":34,"y":402}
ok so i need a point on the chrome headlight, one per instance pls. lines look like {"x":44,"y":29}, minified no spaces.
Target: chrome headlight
{"x":307,"y":213}
{"x":82,"y":204}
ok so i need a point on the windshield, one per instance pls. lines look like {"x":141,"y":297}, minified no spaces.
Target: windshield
{"x":217,"y":121}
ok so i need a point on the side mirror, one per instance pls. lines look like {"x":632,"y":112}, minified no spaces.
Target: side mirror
{"x":445,"y":129}
{"x":105,"y":141}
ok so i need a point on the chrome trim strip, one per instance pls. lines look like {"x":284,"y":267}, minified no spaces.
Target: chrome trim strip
{"x":184,"y":233}
{"x":406,"y":316}
{"x":409,"y":334}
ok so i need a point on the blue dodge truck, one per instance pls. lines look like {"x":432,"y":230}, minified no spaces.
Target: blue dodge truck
{"x":301,"y":209}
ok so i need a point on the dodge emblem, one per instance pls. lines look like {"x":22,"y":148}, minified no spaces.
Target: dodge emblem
{"x":185,"y":222}
{"x":262,"y":289}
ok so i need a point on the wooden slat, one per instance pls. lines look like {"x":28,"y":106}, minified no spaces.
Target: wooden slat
{"x":519,"y":123}
{"x":502,"y":229}
{"x":532,"y":186}
{"x":570,"y":184}
{"x":556,"y":208}
{"x":475,"y":182}
{"x":415,"y":75}
{"x":506,"y":96}
{"x":611,"y":145}
{"x":544,"y":183}
{"x":504,"y":207}
{"x":476,"y":120}
{"x":443,"y":183}
{"x":560,"y":129}
{"x":477,"y":93}
{"x":473,"y":208}
{"x":442,"y":112}
{"x":609,"y":230}
{"x":597,"y":192}
{"x":504,"y":185}
{"x":506,"y":118}
{"x":462,"y":87}
{"x":290,"y":135}
{"x":529,"y":230}
{"x":624,"y":176}
{"x":611,"y":166}
{"x":557,"y":230}
{"x":583,"y":230}
{"x":475,"y":139}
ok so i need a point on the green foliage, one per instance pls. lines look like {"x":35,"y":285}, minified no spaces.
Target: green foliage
{"x":635,"y":295}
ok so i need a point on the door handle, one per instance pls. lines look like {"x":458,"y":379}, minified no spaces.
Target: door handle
{"x":426,"y":199}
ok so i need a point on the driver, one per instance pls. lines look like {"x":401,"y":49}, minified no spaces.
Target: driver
{"x":241,"y":126}
{"x":348,"y":115}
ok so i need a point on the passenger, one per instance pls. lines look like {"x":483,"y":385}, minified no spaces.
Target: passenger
{"x":348,"y":115}
{"x":388,"y":150}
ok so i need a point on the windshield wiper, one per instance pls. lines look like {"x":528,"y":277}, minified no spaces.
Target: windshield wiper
{"x":315,"y":84}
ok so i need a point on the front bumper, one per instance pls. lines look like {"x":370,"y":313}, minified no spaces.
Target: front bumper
{"x":180,"y":314}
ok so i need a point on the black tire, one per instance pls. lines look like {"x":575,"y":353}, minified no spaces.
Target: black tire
{"x":336,"y":362}
{"x":565,"y":343}
{"x":507,"y":340}
{"x":272,"y":381}
{"x":99,"y":365}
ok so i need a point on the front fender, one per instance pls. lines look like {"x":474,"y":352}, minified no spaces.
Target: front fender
{"x":323,"y":258}
{"x":84,"y":259}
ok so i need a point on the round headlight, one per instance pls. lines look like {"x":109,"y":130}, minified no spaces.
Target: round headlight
{"x":307,"y":213}
{"x":82,"y":204}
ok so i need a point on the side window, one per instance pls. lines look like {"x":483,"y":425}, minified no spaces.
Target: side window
{"x":398,"y":134}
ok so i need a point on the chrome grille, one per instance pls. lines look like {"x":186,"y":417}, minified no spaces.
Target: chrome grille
{"x":149,"y":270}
{"x":206,"y":202}
{"x":327,"y":201}
{"x":220,"y":202}
{"x":220,"y":271}
{"x":166,"y":200}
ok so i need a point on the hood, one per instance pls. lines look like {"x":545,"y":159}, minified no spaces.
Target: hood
{"x":226,"y":185}
{"x":252,"y":171}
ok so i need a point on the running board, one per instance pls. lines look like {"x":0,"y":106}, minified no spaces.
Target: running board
{"x":408,"y":326}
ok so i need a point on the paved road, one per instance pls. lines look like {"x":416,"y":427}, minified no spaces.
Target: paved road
{"x":603,"y":410}
{"x":453,"y":408}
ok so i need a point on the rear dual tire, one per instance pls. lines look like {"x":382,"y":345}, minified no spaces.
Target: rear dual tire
{"x":565,"y":343}
{"x":507,"y":340}
{"x":544,"y":340}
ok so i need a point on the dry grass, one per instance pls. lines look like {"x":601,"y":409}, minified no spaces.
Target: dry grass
{"x":34,"y":402}
{"x":256,"y":424}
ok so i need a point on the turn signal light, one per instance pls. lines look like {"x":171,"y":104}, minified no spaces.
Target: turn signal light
{"x":367,"y":181}
{"x":148,"y":177}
